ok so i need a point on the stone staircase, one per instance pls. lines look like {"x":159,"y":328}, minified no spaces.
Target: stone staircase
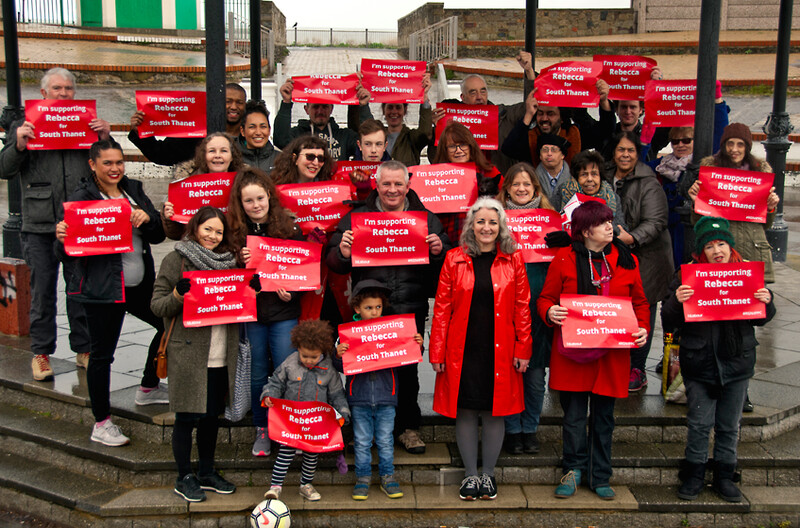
{"x":50,"y":469}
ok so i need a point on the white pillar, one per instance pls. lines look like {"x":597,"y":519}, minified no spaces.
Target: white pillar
{"x":109,"y":13}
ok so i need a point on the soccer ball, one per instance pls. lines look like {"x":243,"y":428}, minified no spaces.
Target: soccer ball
{"x":270,"y":513}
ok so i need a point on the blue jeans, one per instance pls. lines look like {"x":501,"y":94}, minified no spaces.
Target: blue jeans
{"x":720,"y":407}
{"x":588,"y":451}
{"x":373,"y":421}
{"x":533,"y":389}
{"x":270,"y":345}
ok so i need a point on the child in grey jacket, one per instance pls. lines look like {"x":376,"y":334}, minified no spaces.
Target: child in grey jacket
{"x":306,"y":375}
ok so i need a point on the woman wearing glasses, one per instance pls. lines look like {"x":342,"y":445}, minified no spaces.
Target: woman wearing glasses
{"x":304,"y":160}
{"x":457,"y":145}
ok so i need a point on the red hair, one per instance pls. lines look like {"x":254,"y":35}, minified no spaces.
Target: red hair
{"x":735,"y":257}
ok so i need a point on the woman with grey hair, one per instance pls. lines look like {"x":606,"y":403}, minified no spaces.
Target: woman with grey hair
{"x":481,"y":340}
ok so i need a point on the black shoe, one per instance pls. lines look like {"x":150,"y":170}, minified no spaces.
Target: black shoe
{"x":693,"y":480}
{"x":488,"y":488}
{"x":530,"y":444}
{"x":513,"y":443}
{"x":188,"y":487}
{"x":748,"y":405}
{"x":214,"y":482}
{"x":723,"y":482}
{"x":469,"y":488}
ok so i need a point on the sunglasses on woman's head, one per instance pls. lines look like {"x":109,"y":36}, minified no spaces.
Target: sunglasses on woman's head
{"x":311,"y":157}
{"x":685,"y":140}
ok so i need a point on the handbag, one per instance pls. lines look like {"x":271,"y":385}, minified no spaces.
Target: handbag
{"x":672,"y":386}
{"x":240,"y":395}
{"x":161,"y":355}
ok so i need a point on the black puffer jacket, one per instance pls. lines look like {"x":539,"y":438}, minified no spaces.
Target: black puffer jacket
{"x":99,"y":279}
{"x":410,"y":286}
{"x":261,"y":158}
{"x":713,"y":352}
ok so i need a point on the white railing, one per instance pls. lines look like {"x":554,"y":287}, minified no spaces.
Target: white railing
{"x":238,"y":36}
{"x":296,"y":36}
{"x":435,"y":42}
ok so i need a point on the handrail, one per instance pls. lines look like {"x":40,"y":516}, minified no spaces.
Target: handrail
{"x":435,"y":42}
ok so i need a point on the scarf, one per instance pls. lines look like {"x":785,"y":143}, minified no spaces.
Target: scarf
{"x":606,"y":193}
{"x":585,"y":273}
{"x":671,"y":167}
{"x":205,"y":259}
{"x":533,"y":204}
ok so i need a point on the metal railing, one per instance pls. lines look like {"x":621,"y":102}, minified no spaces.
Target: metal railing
{"x":60,"y":12}
{"x":340,"y":37}
{"x":238,"y":37}
{"x":435,"y":42}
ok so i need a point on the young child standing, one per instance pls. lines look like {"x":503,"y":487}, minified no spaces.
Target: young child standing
{"x":306,"y":375}
{"x":373,"y":400}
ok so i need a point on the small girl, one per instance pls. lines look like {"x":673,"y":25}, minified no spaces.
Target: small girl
{"x":202,"y":361}
{"x":717,"y":361}
{"x":254,"y":210}
{"x":306,"y":375}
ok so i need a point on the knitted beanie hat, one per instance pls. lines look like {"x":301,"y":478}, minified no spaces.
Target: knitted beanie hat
{"x":552,"y":139}
{"x":710,"y":228}
{"x":739,"y":131}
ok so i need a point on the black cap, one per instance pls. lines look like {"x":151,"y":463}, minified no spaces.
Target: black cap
{"x":369,"y":284}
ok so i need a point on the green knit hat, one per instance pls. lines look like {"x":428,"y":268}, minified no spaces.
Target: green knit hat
{"x":710,"y":228}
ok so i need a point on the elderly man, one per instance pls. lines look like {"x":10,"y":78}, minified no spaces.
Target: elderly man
{"x":47,"y":178}
{"x":552,"y":171}
{"x":342,"y":142}
{"x":410,"y":285}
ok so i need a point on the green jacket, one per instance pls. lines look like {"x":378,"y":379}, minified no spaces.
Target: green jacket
{"x":410,"y":142}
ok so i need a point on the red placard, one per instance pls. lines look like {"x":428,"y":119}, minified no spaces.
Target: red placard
{"x":670,"y":103}
{"x":326,"y":89}
{"x":316,"y":204}
{"x":481,"y":120}
{"x":723,"y":292}
{"x":529,"y":227}
{"x":380,"y":343}
{"x":293,"y":265}
{"x":98,"y":227}
{"x":310,"y":426}
{"x":190,"y":194}
{"x":734,"y":194}
{"x":573,"y":203}
{"x":393,"y":81}
{"x":180,"y":114}
{"x":389,"y":239}
{"x":219,"y":297}
{"x":595,"y":321}
{"x":571,"y":84}
{"x":344,"y":168}
{"x":626,"y":75}
{"x":445,"y":187}
{"x":61,"y":124}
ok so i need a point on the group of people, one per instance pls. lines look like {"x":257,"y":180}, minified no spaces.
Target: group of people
{"x":496,"y":320}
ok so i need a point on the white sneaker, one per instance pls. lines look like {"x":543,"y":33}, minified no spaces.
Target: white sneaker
{"x":109,"y":434}
{"x":309,"y":492}
{"x":158,"y":395}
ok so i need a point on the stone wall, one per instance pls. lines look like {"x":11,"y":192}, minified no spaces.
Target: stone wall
{"x":683,"y":15}
{"x":273,"y":18}
{"x":422,"y":17}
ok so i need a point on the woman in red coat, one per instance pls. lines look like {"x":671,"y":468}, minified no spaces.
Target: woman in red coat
{"x":595,"y":264}
{"x":481,"y":340}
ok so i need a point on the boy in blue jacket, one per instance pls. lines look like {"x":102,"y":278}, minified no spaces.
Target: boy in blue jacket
{"x":372,"y":397}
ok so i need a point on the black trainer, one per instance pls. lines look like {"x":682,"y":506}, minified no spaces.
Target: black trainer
{"x":469,"y":488}
{"x":530,"y":443}
{"x":214,"y":482}
{"x":488,"y":488}
{"x":188,"y":487}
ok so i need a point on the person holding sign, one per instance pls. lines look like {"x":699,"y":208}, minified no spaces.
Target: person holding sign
{"x":304,"y":160}
{"x":201,"y":360}
{"x":402,"y":143}
{"x":735,"y":153}
{"x":410,"y":284}
{"x":216,"y":153}
{"x":586,"y":171}
{"x":47,"y":177}
{"x":372,"y":397}
{"x":458,"y":145}
{"x":254,"y":210}
{"x":481,"y":340}
{"x":717,"y":362}
{"x":597,"y":263}
{"x":306,"y":375}
{"x":110,"y":285}
{"x":646,"y":216}
{"x":257,"y":151}
{"x":522,"y":190}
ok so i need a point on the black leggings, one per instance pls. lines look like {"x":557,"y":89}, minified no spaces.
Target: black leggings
{"x":207,"y":426}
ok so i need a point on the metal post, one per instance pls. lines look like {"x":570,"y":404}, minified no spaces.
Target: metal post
{"x":331,"y":42}
{"x":215,"y":65}
{"x":531,"y":6}
{"x":706,"y":78}
{"x":366,"y":36}
{"x":231,"y":31}
{"x":255,"y":50}
{"x":778,"y":129}
{"x":12,"y":246}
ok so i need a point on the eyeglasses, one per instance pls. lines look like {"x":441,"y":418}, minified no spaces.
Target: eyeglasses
{"x":463,"y":147}
{"x":685,"y":141}
{"x":311,"y":157}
